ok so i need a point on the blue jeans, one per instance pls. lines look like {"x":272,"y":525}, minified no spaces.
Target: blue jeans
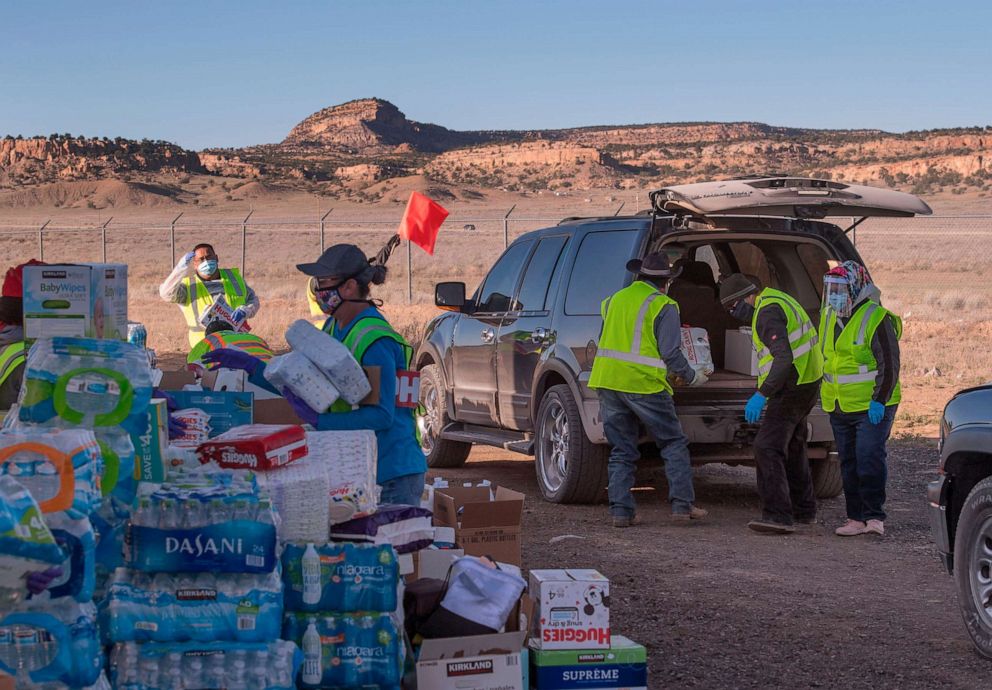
{"x":621,"y":414}
{"x":861,"y":446}
{"x":405,"y":490}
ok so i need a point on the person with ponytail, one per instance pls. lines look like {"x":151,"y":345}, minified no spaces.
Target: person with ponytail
{"x":343,"y":277}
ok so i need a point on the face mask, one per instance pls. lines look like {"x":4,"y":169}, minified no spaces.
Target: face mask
{"x":207,"y":267}
{"x":838,"y":302}
{"x":329,"y":300}
{"x":742,"y":311}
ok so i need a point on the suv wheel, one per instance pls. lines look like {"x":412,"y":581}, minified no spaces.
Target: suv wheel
{"x":827,"y":479}
{"x":570,"y":469}
{"x":432,"y":417}
{"x":973,"y":565}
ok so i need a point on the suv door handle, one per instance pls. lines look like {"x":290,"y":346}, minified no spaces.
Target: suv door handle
{"x":488,"y":335}
{"x":539,"y":335}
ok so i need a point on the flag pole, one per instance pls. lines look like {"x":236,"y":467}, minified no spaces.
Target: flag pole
{"x":409,"y":272}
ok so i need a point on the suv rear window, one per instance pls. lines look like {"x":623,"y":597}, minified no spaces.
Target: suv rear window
{"x":599,"y":270}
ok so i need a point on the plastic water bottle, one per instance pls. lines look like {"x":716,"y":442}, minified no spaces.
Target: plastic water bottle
{"x":312,"y":670}
{"x":217,"y":672}
{"x":258,"y":671}
{"x":310,"y":566}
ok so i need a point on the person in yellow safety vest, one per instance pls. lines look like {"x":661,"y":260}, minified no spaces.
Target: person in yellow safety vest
{"x":639,"y":347}
{"x":220,"y":335}
{"x":12,"y":351}
{"x":317,"y":315}
{"x":197,"y":281}
{"x":344,"y":276}
{"x":790,"y":366}
{"x":860,"y":343}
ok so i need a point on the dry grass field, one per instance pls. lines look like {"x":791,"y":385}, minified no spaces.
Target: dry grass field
{"x":932,"y":271}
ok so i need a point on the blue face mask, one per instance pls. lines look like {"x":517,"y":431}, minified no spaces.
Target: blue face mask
{"x":838,"y":302}
{"x":207,"y":267}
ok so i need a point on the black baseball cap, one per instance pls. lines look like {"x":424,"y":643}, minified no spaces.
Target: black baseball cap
{"x":341,"y":260}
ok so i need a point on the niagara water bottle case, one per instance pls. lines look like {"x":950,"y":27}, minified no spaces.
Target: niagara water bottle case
{"x":340,"y":577}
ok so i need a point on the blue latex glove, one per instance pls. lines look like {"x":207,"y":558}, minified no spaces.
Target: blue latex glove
{"x":302,"y":410}
{"x":188,"y":259}
{"x":876,"y":411}
{"x":752,"y":411}
{"x":41,"y":580}
{"x":170,"y":403}
{"x":239,"y":314}
{"x":230,"y":358}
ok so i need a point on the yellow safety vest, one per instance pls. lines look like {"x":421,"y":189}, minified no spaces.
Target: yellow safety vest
{"x":11,"y":357}
{"x":806,"y":357}
{"x":849,"y":367}
{"x":317,"y":315}
{"x":246,"y":342}
{"x":627,"y":359}
{"x":199,"y":300}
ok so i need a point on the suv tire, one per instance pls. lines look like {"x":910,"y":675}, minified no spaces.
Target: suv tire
{"x":432,"y":418}
{"x":570,"y":468}
{"x":973,"y":565}
{"x":827,"y":479}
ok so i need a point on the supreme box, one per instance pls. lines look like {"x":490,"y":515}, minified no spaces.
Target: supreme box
{"x":479,"y":662}
{"x":572,"y":609}
{"x":76,"y":300}
{"x":621,"y":667}
{"x":255,"y":447}
{"x":150,"y":447}
{"x":740,"y":355}
{"x":485,"y":524}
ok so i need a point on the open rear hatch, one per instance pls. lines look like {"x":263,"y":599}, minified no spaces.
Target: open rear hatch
{"x":792,"y":197}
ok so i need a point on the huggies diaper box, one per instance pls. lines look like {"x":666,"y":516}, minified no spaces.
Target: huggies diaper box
{"x":572,"y":609}
{"x":75,"y":300}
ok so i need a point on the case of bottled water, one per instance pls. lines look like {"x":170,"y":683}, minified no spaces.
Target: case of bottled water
{"x":78,"y":540}
{"x":201,"y":607}
{"x":347,"y":650}
{"x":26,"y":542}
{"x":119,"y":457}
{"x":60,"y":467}
{"x":197,"y":665}
{"x":202,"y":522}
{"x":340,"y":577}
{"x":52,"y":642}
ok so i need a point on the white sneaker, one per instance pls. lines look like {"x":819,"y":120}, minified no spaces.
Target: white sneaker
{"x":875,"y":527}
{"x":851,"y":528}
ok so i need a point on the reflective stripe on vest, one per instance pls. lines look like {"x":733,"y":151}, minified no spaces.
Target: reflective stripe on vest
{"x":806,"y":358}
{"x":199,"y":299}
{"x":850,"y":369}
{"x":627,"y":359}
{"x":11,"y":357}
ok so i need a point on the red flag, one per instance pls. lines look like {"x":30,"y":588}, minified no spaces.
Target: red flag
{"x":421,"y":221}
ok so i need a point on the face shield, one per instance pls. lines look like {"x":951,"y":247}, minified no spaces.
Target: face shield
{"x":837,"y":295}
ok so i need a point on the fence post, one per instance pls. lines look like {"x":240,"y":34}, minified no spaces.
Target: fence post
{"x":855,"y":239}
{"x":103,"y":238}
{"x":172,"y":238}
{"x":244,"y":240}
{"x":506,"y":227}
{"x":41,"y":240}
{"x":322,"y":218}
{"x":620,"y":208}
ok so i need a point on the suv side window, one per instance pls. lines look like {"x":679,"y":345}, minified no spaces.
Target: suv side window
{"x":599,"y":270}
{"x":496,"y":292}
{"x":533,"y":294}
{"x":751,"y":260}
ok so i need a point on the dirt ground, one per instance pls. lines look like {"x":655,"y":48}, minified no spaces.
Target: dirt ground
{"x":719,"y":606}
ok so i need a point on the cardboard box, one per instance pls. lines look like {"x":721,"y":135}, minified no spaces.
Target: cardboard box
{"x":572,"y":609}
{"x":151,"y":447}
{"x":482,"y":527}
{"x":6,"y":682}
{"x":226,"y":409}
{"x":434,"y":563}
{"x":740,"y":355}
{"x":77,"y":300}
{"x":621,"y":667}
{"x":479,"y":662}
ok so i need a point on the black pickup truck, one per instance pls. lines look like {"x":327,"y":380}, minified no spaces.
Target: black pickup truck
{"x":509,"y":366}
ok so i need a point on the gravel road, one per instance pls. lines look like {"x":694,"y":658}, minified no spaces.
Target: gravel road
{"x":719,"y":606}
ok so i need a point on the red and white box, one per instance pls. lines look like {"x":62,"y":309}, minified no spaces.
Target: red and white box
{"x":572,"y":609}
{"x":257,"y":447}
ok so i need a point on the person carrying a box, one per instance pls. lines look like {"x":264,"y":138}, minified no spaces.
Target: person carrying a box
{"x":860,"y":342}
{"x":343,"y":279}
{"x":197,"y":281}
{"x":790,"y":366}
{"x":638,"y":348}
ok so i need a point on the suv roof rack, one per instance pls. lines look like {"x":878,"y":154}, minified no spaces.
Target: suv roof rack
{"x":573,"y":219}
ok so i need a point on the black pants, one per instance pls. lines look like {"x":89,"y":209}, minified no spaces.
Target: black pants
{"x":784,"y":481}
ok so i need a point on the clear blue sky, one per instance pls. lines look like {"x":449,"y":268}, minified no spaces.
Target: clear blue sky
{"x":211,"y":73}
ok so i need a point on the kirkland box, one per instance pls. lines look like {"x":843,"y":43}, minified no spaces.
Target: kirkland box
{"x":485,"y":524}
{"x":621,"y":667}
{"x":478,"y":662}
{"x":572,"y":609}
{"x":78,"y":300}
